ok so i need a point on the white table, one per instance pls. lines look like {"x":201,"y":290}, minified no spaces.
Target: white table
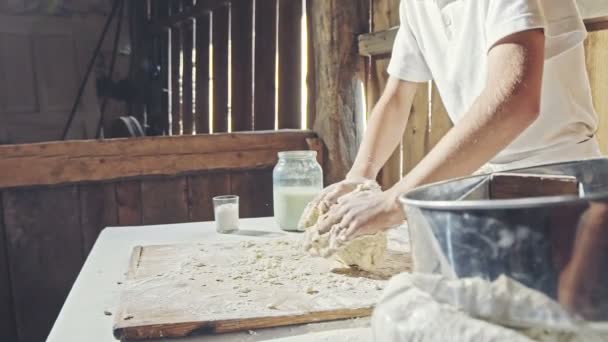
{"x":97,"y":287}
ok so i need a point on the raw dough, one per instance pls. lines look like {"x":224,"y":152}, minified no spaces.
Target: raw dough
{"x":364,"y":252}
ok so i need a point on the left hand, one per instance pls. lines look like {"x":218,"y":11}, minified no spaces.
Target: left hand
{"x":363,"y":213}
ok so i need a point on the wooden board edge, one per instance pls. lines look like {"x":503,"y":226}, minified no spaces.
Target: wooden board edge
{"x":134,"y":261}
{"x":123,"y":329}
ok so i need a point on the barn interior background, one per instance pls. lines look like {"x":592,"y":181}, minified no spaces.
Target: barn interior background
{"x":217,"y":87}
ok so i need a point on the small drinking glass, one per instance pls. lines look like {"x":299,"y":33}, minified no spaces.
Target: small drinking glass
{"x":226,"y":210}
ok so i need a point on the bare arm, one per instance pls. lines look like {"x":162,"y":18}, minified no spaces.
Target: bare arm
{"x":384,"y":129}
{"x":507,"y":106}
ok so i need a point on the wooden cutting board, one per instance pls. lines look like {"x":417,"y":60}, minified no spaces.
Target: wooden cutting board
{"x":203,"y":288}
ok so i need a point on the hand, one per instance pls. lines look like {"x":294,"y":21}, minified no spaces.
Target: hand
{"x":363,"y":213}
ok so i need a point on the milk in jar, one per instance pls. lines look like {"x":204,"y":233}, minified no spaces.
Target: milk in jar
{"x":297,"y":179}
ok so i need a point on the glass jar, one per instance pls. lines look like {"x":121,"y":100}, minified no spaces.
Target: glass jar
{"x":297,"y":179}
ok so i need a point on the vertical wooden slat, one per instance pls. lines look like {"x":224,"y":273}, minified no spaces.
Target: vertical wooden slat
{"x":98,"y":210}
{"x":8,"y":329}
{"x":415,"y":138}
{"x":201,"y":190}
{"x":162,"y":7}
{"x":265,"y":47}
{"x":128,"y":201}
{"x":385,"y":14}
{"x":44,"y":253}
{"x":220,"y":68}
{"x":176,"y":47}
{"x":310,"y":74}
{"x":440,"y":121}
{"x":203,"y":39}
{"x":187,"y":79}
{"x":596,"y":54}
{"x":164,"y":200}
{"x":290,"y":73}
{"x":254,"y":189}
{"x":242,"y":65}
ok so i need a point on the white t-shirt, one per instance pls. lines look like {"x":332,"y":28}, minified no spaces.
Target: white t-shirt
{"x":448,"y":40}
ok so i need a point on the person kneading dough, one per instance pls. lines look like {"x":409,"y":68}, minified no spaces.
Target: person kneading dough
{"x":512,"y":76}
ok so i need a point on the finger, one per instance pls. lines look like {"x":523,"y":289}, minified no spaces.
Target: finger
{"x":326,"y":222}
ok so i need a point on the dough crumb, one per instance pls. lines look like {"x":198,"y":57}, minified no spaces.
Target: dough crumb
{"x":107,"y":313}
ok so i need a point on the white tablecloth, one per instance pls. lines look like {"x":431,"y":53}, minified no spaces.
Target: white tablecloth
{"x":97,"y":290}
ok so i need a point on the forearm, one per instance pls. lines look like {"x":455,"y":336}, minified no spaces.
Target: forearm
{"x":507,"y":106}
{"x":384,"y":129}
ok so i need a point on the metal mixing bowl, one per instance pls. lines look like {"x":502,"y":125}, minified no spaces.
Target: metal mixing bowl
{"x":555,"y":244}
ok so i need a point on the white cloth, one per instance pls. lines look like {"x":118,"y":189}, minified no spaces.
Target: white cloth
{"x":448,"y":41}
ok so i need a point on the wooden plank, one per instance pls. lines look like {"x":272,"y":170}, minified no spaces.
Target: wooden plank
{"x":77,"y":161}
{"x":596,"y":54}
{"x":290,"y":73}
{"x":8,"y":328}
{"x":164,"y":200}
{"x":338,"y":104}
{"x":220,"y":31}
{"x":310,"y":69}
{"x":187,"y":78}
{"x":129,"y":203}
{"x":176,"y":109}
{"x":203,"y":41}
{"x":385,"y":13}
{"x":242,"y":65}
{"x":440,"y":120}
{"x":98,"y":210}
{"x":201,"y":189}
{"x":512,"y":185}
{"x":265,"y":47}
{"x":416,"y":136}
{"x":45,"y":253}
{"x":254,"y":189}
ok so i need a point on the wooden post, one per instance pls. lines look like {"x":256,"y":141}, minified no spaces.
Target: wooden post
{"x":203,"y":40}
{"x":336,"y":24}
{"x":265,"y":46}
{"x":220,"y":68}
{"x":187,"y":45}
{"x":596,"y":54}
{"x":176,"y":111}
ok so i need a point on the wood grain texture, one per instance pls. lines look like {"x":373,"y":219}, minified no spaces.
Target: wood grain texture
{"x":44,"y":251}
{"x":290,"y":73}
{"x":201,"y":190}
{"x":254,"y":189}
{"x":511,"y":186}
{"x":416,"y":137}
{"x":176,"y":105}
{"x":242,"y":65}
{"x":98,"y":210}
{"x":220,"y":36}
{"x":337,"y":66}
{"x":203,"y":41}
{"x":440,"y":121}
{"x":265,"y":47}
{"x":310,"y":73}
{"x":164,"y":200}
{"x":77,"y":161}
{"x":596,"y":54}
{"x":187,"y":78}
{"x":385,"y":13}
{"x":8,"y":328}
{"x":129,"y":203}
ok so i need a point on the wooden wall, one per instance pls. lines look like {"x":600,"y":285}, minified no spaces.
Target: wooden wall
{"x":55,"y":198}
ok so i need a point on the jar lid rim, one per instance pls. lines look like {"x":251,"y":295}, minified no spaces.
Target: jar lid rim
{"x":297,"y":154}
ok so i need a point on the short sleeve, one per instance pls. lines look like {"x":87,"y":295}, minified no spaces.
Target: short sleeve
{"x":560,"y":20}
{"x":407,"y":62}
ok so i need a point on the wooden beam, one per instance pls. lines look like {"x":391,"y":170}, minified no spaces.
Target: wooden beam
{"x":335,"y":24}
{"x":290,"y":73}
{"x":380,"y":43}
{"x":175,"y":55}
{"x":89,"y":160}
{"x":187,"y":78}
